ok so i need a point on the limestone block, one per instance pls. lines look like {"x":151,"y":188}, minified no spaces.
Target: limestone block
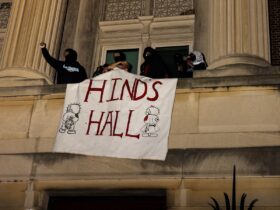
{"x":15,"y":119}
{"x":223,"y":140}
{"x":266,"y":198}
{"x":12,"y":195}
{"x":115,"y":183}
{"x":46,"y":117}
{"x":179,"y":197}
{"x":239,"y":111}
{"x":219,"y":162}
{"x":202,"y":198}
{"x":67,"y":166}
{"x":13,"y":186}
{"x":13,"y":146}
{"x":15,"y":167}
{"x":185,"y":113}
{"x":45,"y":145}
{"x":12,"y":200}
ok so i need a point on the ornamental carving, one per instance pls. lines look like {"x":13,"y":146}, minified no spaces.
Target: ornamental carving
{"x":5,"y":9}
{"x":131,"y":9}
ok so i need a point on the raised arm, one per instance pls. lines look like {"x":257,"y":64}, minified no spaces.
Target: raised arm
{"x":51,"y":60}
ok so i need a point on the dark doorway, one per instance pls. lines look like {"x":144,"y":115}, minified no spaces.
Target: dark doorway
{"x":113,"y":200}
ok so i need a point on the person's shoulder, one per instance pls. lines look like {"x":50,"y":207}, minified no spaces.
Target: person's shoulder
{"x":80,"y":66}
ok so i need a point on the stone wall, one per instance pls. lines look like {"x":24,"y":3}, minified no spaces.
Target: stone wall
{"x":212,"y":129}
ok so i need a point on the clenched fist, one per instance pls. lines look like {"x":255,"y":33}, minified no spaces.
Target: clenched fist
{"x":42,"y":44}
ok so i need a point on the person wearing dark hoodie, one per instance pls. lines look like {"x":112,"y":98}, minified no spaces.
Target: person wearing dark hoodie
{"x":120,"y":59}
{"x":68,"y":71}
{"x":153,"y":65}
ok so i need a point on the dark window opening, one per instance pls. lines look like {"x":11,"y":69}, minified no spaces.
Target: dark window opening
{"x":132,"y":56}
{"x":114,"y":200}
{"x":169,"y":55}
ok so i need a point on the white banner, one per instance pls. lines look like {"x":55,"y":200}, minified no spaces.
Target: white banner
{"x":117,"y":114}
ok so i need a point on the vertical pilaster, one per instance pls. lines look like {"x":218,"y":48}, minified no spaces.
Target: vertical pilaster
{"x":237,"y":33}
{"x":30,"y":23}
{"x":81,"y":29}
{"x":240,"y":33}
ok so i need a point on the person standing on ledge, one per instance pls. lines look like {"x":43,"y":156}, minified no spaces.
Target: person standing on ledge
{"x":68,"y":71}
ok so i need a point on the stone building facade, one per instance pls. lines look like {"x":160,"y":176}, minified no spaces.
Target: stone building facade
{"x":224,"y":116}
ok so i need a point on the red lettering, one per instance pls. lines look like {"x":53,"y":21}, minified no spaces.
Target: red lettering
{"x":90,"y":122}
{"x":115,"y":125}
{"x":109,"y":122}
{"x":127,"y":127}
{"x":114,"y":88}
{"x":130,"y":92}
{"x":90,"y":89}
{"x":156,"y":92}
{"x":136,"y":98}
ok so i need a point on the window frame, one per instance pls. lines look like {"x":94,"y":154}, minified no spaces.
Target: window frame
{"x":105,"y":49}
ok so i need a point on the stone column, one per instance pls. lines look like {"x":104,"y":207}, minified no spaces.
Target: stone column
{"x":30,"y":23}
{"x":81,"y":29}
{"x":238,"y":33}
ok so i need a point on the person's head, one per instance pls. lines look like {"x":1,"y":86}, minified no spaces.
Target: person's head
{"x":192,"y":57}
{"x":119,"y":56}
{"x":105,"y":68}
{"x":188,"y":61}
{"x":148,"y":52}
{"x":70,"y":55}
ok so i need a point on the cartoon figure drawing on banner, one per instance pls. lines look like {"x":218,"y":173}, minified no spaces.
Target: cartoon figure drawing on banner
{"x":70,"y":118}
{"x":151,"y":120}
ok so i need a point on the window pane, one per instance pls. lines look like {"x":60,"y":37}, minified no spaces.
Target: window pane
{"x":132,"y":56}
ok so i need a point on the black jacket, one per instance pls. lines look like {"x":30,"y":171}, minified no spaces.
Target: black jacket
{"x":153,"y":66}
{"x":68,"y":71}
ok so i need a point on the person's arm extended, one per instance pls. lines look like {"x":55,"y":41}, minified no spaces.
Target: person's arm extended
{"x":52,"y":61}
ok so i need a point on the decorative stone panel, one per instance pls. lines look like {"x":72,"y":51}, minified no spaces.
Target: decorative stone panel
{"x":123,"y":9}
{"x":274,"y":25}
{"x":5,"y":9}
{"x":132,"y":9}
{"x":167,"y":8}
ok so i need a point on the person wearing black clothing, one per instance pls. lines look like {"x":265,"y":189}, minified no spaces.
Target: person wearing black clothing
{"x":68,"y":71}
{"x":120,"y":56}
{"x":198,"y":60}
{"x":153,"y":65}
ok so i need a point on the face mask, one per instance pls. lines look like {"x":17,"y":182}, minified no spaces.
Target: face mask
{"x":118,"y":58}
